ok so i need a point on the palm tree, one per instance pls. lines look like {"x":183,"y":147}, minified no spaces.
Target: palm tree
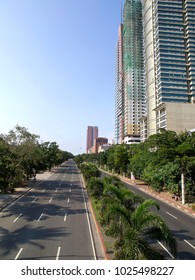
{"x":141,"y":227}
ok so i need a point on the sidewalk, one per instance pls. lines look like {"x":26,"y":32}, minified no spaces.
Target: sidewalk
{"x":6,"y":199}
{"x":163,"y":196}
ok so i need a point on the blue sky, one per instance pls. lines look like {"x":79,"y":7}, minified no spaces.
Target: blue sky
{"x":57,"y":68}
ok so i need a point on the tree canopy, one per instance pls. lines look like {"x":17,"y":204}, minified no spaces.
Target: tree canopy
{"x":159,"y":161}
{"x":22,"y":155}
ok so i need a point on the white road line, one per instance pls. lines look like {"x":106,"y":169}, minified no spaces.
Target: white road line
{"x":171,"y":215}
{"x":70,"y":190}
{"x":189,"y":244}
{"x":58,"y":253}
{"x":56,"y":190}
{"x":34,"y":199}
{"x":43,"y":190}
{"x":18,"y":254}
{"x":65,"y":217}
{"x":17,"y":218}
{"x":68,"y":200}
{"x":50,"y":199}
{"x":165,"y":249}
{"x":40,"y":217}
{"x":89,"y":225}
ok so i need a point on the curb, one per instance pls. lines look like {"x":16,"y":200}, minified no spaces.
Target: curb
{"x":182,"y":208}
{"x":99,"y":232}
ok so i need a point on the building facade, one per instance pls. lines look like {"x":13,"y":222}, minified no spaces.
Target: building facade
{"x":130,"y":81}
{"x":98,"y":142}
{"x":92,"y":134}
{"x":169,"y":43}
{"x":119,"y":90}
{"x":133,"y":68}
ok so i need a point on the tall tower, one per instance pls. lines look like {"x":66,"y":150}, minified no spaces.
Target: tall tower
{"x":169,"y":33}
{"x":119,"y":94}
{"x":133,"y":70}
{"x":92,"y":134}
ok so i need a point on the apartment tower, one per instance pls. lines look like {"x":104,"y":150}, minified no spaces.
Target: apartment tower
{"x":130,"y":84}
{"x":119,"y":93}
{"x":169,"y":43}
{"x":92,"y":134}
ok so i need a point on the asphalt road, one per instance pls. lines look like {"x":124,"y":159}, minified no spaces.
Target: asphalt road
{"x":49,"y":222}
{"x":181,"y":224}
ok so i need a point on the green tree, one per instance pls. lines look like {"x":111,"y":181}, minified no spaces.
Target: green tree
{"x":95,"y":187}
{"x":89,"y":170}
{"x":141,"y":227}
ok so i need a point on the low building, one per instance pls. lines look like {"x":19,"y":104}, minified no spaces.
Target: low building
{"x":132,"y":139}
{"x":99,"y":141}
{"x":104,"y":147}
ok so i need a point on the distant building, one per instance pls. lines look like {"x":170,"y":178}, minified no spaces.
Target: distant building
{"x":104,"y":147}
{"x":132,"y":139}
{"x":92,"y":134}
{"x":100,"y":141}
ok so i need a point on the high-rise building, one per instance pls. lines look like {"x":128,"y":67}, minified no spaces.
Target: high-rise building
{"x":92,"y":134}
{"x":133,"y":61}
{"x":169,"y":43}
{"x":119,"y":94}
{"x":130,"y":82}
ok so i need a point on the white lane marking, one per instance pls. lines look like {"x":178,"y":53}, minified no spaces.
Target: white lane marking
{"x":17,"y":218}
{"x":68,"y":200}
{"x":70,"y":190}
{"x":34,"y":199}
{"x":171,"y":215}
{"x":18,"y":254}
{"x":89,"y":225}
{"x":56,"y":190}
{"x":189,"y":244}
{"x":30,"y":190}
{"x":40,"y":217}
{"x":58,"y":253}
{"x":43,"y":190}
{"x":65,"y":217}
{"x":50,"y":199}
{"x":165,"y":249}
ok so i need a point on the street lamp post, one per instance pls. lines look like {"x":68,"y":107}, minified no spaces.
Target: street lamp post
{"x":182,"y":188}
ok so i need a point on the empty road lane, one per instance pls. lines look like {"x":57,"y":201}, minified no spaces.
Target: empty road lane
{"x":50,"y":222}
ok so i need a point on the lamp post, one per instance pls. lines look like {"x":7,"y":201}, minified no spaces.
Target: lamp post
{"x":182,"y":188}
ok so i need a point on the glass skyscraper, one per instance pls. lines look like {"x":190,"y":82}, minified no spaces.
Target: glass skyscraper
{"x":169,"y":43}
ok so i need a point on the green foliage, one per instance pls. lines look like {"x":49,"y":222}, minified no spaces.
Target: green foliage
{"x":128,"y":219}
{"x":159,"y":161}
{"x":89,"y":170}
{"x":95,"y":187}
{"x":21,"y":156}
